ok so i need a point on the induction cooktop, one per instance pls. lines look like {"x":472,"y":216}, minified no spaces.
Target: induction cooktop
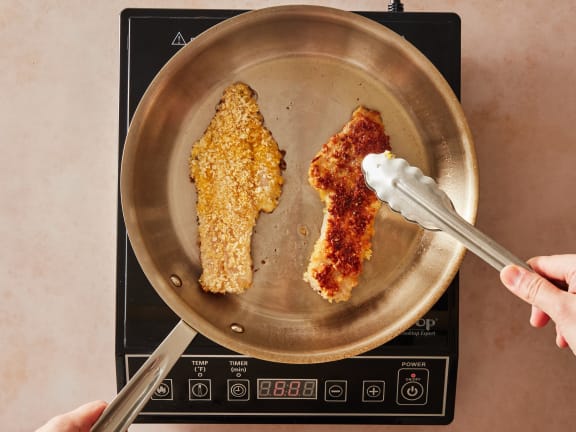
{"x":409,"y":380}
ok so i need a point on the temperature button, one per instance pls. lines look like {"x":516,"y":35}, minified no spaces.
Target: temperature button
{"x":199,"y":389}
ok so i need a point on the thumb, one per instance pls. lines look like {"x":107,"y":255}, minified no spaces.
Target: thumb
{"x":79,"y":420}
{"x":86,"y":415}
{"x":532,"y":288}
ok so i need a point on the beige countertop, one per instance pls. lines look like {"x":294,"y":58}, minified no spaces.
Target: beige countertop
{"x":58,"y":175}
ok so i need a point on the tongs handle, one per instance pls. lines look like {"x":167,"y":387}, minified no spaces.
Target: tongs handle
{"x":129,"y":402}
{"x":475,"y":240}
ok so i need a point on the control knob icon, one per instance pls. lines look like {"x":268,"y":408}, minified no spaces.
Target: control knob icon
{"x":162,"y":390}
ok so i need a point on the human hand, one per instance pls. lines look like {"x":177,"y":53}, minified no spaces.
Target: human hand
{"x":79,"y":420}
{"x":547,"y":300}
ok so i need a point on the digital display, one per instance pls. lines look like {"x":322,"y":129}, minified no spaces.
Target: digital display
{"x":286,"y":388}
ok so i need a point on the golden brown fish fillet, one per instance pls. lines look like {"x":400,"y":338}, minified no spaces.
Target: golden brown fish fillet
{"x":350,"y":207}
{"x":236,"y":169}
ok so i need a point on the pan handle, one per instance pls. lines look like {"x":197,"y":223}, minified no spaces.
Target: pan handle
{"x":129,"y":402}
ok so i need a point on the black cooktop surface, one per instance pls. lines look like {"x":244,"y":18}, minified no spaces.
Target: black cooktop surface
{"x":421,"y":363}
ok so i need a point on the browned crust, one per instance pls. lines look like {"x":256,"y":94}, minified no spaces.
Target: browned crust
{"x":350,"y":207}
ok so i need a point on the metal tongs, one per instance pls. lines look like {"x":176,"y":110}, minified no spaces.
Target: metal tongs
{"x":419,"y":199}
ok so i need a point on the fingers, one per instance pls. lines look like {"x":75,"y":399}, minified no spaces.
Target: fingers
{"x":79,"y":420}
{"x":557,"y":267}
{"x":560,"y":341}
{"x":551,"y":290}
{"x":533,"y":289}
{"x":538,"y":318}
{"x":86,"y":415}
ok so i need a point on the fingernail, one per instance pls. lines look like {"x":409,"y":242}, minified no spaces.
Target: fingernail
{"x":511,"y":275}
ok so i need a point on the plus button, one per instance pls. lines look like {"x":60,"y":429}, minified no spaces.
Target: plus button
{"x":373,"y":391}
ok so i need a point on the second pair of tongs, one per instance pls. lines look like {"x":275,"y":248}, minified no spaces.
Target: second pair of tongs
{"x":419,"y":199}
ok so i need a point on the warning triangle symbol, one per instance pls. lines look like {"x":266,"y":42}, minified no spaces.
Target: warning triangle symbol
{"x":179,"y":40}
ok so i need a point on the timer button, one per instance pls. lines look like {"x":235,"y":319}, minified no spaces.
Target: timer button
{"x":335,"y":390}
{"x":238,"y":390}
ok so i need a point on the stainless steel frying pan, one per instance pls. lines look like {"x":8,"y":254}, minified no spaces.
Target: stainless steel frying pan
{"x":311,"y":67}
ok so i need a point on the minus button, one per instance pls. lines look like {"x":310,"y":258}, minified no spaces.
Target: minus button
{"x":335,"y":390}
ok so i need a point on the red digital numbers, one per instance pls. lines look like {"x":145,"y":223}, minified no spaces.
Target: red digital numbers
{"x":286,"y":389}
{"x":294,"y":388}
{"x":279,"y":389}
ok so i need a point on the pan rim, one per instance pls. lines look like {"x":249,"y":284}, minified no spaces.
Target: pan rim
{"x":171,"y":297}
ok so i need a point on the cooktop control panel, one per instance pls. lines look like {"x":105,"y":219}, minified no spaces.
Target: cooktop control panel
{"x":204,"y":386}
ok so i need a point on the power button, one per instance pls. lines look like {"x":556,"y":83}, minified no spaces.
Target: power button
{"x":411,"y":391}
{"x":412,"y":386}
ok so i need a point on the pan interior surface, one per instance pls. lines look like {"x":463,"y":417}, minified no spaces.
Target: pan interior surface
{"x":311,"y":67}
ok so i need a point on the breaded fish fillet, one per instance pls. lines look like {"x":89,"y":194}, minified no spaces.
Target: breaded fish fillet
{"x":236,"y":169}
{"x":350,"y":207}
